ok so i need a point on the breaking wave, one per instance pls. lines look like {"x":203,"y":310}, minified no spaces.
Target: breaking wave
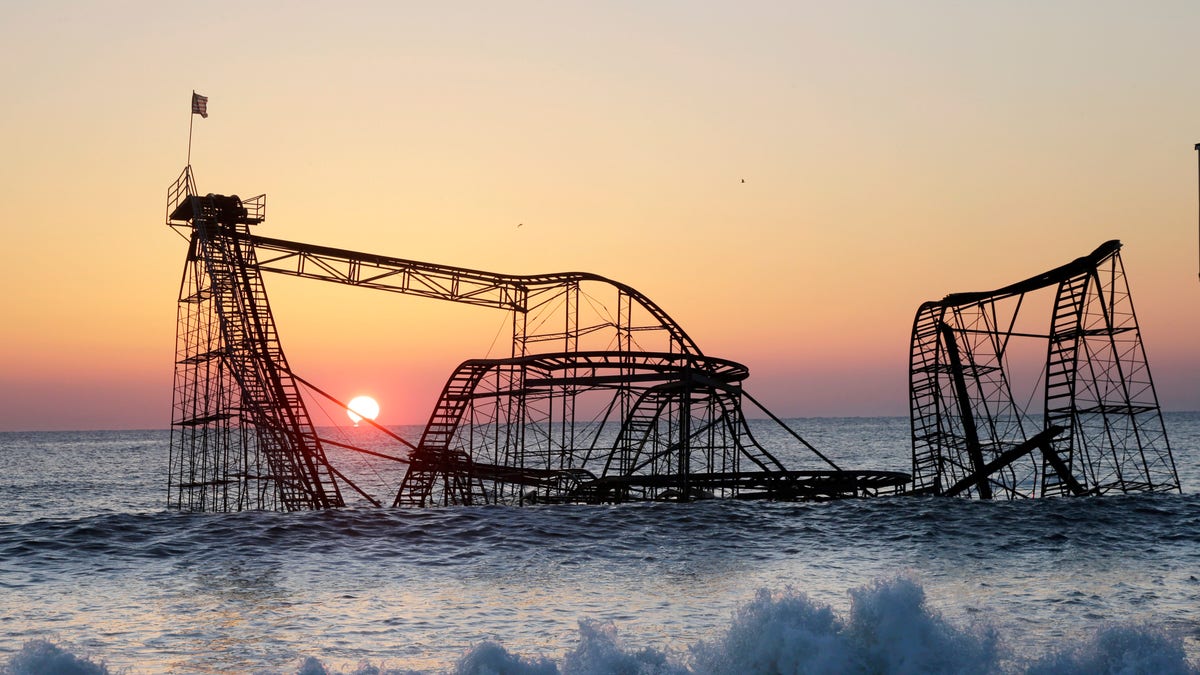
{"x":889,"y":628}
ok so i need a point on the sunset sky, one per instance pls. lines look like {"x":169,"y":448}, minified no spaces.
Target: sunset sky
{"x":891,"y":152}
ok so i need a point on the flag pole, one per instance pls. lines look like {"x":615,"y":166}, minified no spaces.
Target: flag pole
{"x":191,"y":121}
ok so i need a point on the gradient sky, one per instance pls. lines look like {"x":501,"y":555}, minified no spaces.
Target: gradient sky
{"x":892,"y":152}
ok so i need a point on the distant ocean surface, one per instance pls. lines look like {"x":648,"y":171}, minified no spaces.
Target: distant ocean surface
{"x":97,"y":577}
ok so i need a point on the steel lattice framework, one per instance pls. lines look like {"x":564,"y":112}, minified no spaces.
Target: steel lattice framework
{"x":1100,"y":430}
{"x":602,"y":398}
{"x":670,"y":426}
{"x":241,"y":435}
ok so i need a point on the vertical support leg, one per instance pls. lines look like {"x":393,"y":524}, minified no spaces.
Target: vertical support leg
{"x":974,"y":450}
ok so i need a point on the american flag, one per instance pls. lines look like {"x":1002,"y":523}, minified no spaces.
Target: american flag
{"x":199,"y":105}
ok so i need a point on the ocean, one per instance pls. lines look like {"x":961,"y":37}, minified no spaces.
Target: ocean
{"x":96,"y":576}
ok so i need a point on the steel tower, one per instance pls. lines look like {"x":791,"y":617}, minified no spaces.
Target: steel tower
{"x":241,"y":437}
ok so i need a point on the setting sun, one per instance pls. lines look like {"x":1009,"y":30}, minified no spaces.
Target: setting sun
{"x":360,"y":407}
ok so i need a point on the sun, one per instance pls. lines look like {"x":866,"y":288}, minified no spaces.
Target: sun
{"x":360,"y":407}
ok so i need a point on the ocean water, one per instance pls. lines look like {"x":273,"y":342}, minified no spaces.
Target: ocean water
{"x":97,"y":577}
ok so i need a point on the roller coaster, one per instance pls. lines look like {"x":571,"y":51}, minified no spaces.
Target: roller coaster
{"x":603,"y":398}
{"x":670,"y":423}
{"x":1100,"y":430}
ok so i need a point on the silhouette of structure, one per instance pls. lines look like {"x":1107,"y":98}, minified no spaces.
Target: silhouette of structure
{"x":603,"y":397}
{"x":1100,"y":429}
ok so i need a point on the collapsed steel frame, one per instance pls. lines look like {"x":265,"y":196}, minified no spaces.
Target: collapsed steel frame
{"x":1100,"y":430}
{"x":603,"y":397}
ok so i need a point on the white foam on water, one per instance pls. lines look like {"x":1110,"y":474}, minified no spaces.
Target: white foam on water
{"x":1120,"y":650}
{"x":40,"y":657}
{"x":889,"y":629}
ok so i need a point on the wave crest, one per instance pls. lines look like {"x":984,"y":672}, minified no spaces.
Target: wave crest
{"x":889,"y":629}
{"x":40,"y":657}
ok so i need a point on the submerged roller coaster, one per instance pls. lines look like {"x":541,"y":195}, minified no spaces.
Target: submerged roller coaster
{"x":603,"y":398}
{"x":1100,"y":429}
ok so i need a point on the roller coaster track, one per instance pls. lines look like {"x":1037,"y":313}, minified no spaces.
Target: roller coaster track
{"x":1097,"y":394}
{"x":502,"y":431}
{"x":442,"y":282}
{"x":651,"y":449}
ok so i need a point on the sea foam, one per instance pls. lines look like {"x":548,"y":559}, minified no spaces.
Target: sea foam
{"x":39,"y":657}
{"x":889,"y":629}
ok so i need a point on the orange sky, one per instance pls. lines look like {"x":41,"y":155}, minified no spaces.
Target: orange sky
{"x":892,"y":153}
